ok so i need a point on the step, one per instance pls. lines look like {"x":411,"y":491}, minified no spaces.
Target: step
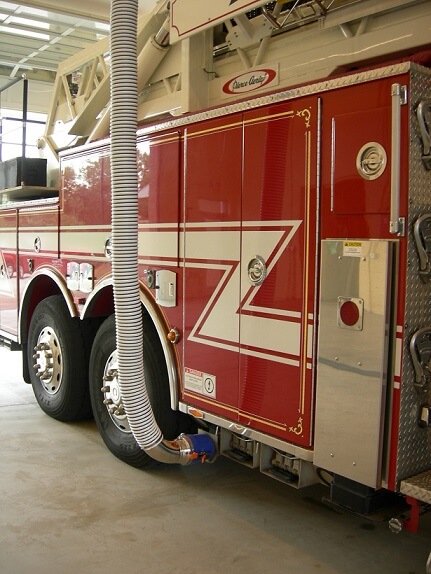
{"x":418,"y":486}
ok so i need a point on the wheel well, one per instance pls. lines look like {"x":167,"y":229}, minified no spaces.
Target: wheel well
{"x":39,"y":289}
{"x":101,"y":305}
{"x":42,"y":287}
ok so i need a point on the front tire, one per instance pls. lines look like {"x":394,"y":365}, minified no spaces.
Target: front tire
{"x":57,"y":357}
{"x":108,"y":410}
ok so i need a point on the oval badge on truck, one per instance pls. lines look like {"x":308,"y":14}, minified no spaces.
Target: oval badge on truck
{"x":250,"y":81}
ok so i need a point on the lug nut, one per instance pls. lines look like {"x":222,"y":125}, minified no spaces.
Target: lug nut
{"x":108,"y":402}
{"x":105,"y":389}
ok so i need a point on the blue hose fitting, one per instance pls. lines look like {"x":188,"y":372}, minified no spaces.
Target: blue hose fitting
{"x":201,"y":448}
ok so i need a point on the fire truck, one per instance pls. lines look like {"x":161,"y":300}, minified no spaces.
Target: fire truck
{"x":253,"y":280}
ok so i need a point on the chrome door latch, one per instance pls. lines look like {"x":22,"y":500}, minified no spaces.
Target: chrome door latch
{"x":257,"y":270}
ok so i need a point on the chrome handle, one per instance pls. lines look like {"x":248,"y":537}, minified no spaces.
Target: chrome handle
{"x":399,"y":97}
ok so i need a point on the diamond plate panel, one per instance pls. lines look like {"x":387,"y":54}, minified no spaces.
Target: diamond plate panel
{"x":414,"y":443}
{"x":418,"y":487}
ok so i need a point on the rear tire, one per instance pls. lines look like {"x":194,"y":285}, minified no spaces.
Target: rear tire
{"x":57,"y":357}
{"x":105,"y":395}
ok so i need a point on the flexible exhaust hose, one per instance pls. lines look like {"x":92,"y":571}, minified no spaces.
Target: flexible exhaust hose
{"x":129,"y":325}
{"x":124,"y":102}
{"x":150,"y":57}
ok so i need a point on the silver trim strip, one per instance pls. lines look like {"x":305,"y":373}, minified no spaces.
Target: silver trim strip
{"x":29,"y":203}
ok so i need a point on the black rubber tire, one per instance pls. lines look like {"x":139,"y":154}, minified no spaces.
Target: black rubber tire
{"x":70,"y":401}
{"x":122,"y":443}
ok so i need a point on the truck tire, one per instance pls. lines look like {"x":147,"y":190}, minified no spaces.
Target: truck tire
{"x":106,"y":399}
{"x":58,"y":359}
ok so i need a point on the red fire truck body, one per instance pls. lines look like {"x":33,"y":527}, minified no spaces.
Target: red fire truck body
{"x":283,"y":262}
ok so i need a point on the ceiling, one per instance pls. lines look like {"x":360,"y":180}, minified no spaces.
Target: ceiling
{"x":35,"y":36}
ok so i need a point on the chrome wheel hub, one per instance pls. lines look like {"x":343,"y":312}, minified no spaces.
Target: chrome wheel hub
{"x":48,"y":362}
{"x":112,"y":395}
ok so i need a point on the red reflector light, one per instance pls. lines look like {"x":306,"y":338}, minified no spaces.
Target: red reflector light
{"x":349,"y":313}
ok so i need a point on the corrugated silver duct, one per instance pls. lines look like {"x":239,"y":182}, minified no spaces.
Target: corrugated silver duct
{"x":124,"y":102}
{"x":124,"y":105}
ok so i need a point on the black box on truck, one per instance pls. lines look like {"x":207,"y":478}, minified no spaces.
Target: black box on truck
{"x":21,"y":171}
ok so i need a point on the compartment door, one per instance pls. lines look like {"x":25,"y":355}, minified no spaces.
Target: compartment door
{"x":355,"y":305}
{"x":278,"y":255}
{"x":212,"y":239}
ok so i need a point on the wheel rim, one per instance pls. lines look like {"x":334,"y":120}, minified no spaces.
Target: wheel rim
{"x":112,"y":396}
{"x":48,"y":360}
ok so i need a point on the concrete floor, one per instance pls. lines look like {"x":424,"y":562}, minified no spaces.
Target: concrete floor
{"x":68,"y":506}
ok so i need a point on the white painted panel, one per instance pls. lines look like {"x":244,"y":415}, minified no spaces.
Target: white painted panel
{"x":189,"y":17}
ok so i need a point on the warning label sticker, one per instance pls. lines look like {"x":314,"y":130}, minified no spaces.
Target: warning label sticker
{"x":199,"y":382}
{"x":352,"y":248}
